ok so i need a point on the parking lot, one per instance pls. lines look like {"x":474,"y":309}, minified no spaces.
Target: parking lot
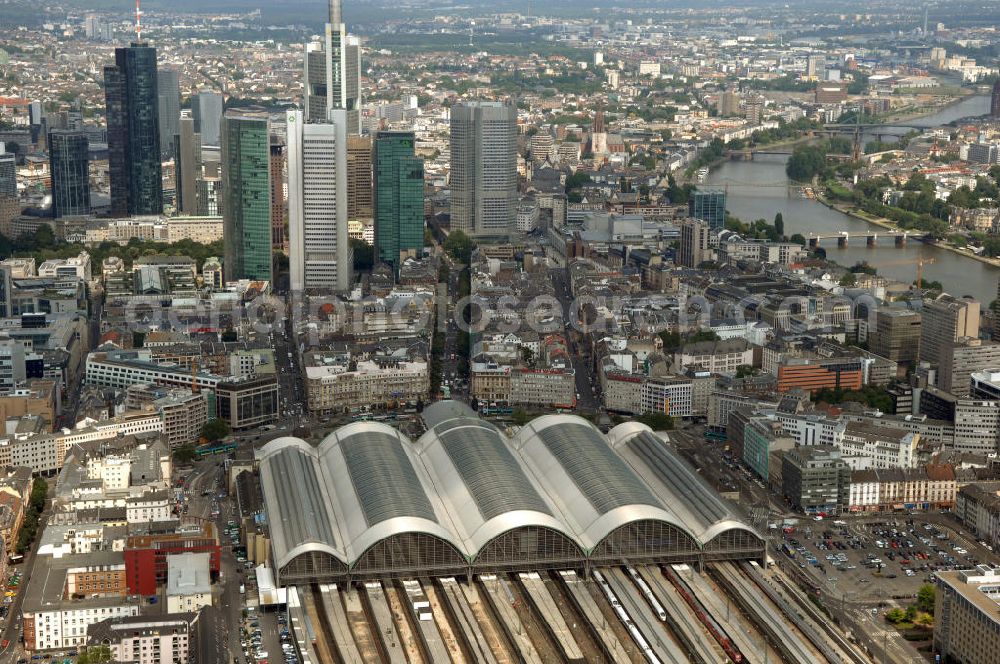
{"x":874,"y":559}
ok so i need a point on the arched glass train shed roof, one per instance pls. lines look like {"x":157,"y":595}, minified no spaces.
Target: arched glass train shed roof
{"x":369,"y":502}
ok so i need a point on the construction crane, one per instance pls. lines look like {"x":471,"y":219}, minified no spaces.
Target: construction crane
{"x":921,"y":261}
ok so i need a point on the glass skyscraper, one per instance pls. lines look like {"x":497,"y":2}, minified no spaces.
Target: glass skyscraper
{"x":399,"y":197}
{"x":8,"y":173}
{"x":708,"y":205}
{"x":69,"y":163}
{"x":169,"y":97}
{"x":132,"y":102}
{"x":246,"y":186}
{"x":207,"y":108}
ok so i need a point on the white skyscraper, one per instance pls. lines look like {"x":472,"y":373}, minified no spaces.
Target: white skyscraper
{"x":319,"y":250}
{"x":333,"y":74}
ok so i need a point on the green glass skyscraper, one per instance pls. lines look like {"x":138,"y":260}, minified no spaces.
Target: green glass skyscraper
{"x":246,"y":186}
{"x":132,"y":102}
{"x":399,"y":197}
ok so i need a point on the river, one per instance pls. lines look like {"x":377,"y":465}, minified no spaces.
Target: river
{"x":759,"y":189}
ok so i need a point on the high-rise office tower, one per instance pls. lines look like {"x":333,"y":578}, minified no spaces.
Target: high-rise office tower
{"x":91,"y":26}
{"x":483,"y":178}
{"x":207,"y":108}
{"x":332,"y":74}
{"x":729,"y":103}
{"x":693,"y":250}
{"x":399,"y":197}
{"x":896,"y":334}
{"x":944,"y":321}
{"x":277,"y":193}
{"x":814,"y":64}
{"x":69,"y":164}
{"x":35,"y":116}
{"x":960,"y":359}
{"x":8,"y":172}
{"x":995,"y":101}
{"x":210,"y":202}
{"x":132,"y":98}
{"x":169,"y":94}
{"x":709,"y":205}
{"x":246,"y":194}
{"x":318,"y":248}
{"x":359,"y":177}
{"x":187,"y":161}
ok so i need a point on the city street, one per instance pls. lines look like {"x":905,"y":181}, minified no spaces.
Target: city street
{"x":585,"y":379}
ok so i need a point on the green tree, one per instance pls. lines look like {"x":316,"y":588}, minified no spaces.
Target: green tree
{"x":925,"y":598}
{"x":215,"y":429}
{"x":39,"y":493}
{"x":44,"y":237}
{"x":895,"y":615}
{"x":779,"y":225}
{"x":744,"y":371}
{"x":185,"y":453}
{"x":657,"y":421}
{"x":806,"y":162}
{"x":459,"y":246}
{"x":520,"y":417}
{"x":798,"y":238}
{"x":94,"y":655}
{"x":849,"y":280}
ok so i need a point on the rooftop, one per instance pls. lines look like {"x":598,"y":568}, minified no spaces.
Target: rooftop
{"x":465,"y":483}
{"x":189,"y":574}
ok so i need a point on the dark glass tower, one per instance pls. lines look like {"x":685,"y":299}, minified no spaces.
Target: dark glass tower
{"x":132,"y":100}
{"x":709,"y":206}
{"x":69,"y":162}
{"x":399,"y":197}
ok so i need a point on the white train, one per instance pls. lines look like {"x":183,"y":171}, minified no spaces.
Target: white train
{"x":650,"y":597}
{"x":640,"y":640}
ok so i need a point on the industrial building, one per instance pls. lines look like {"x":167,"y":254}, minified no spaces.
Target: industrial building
{"x":464,"y":498}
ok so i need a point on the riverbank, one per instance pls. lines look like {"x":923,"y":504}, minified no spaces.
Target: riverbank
{"x":766,"y":146}
{"x":920,"y":115}
{"x":889,"y":225}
